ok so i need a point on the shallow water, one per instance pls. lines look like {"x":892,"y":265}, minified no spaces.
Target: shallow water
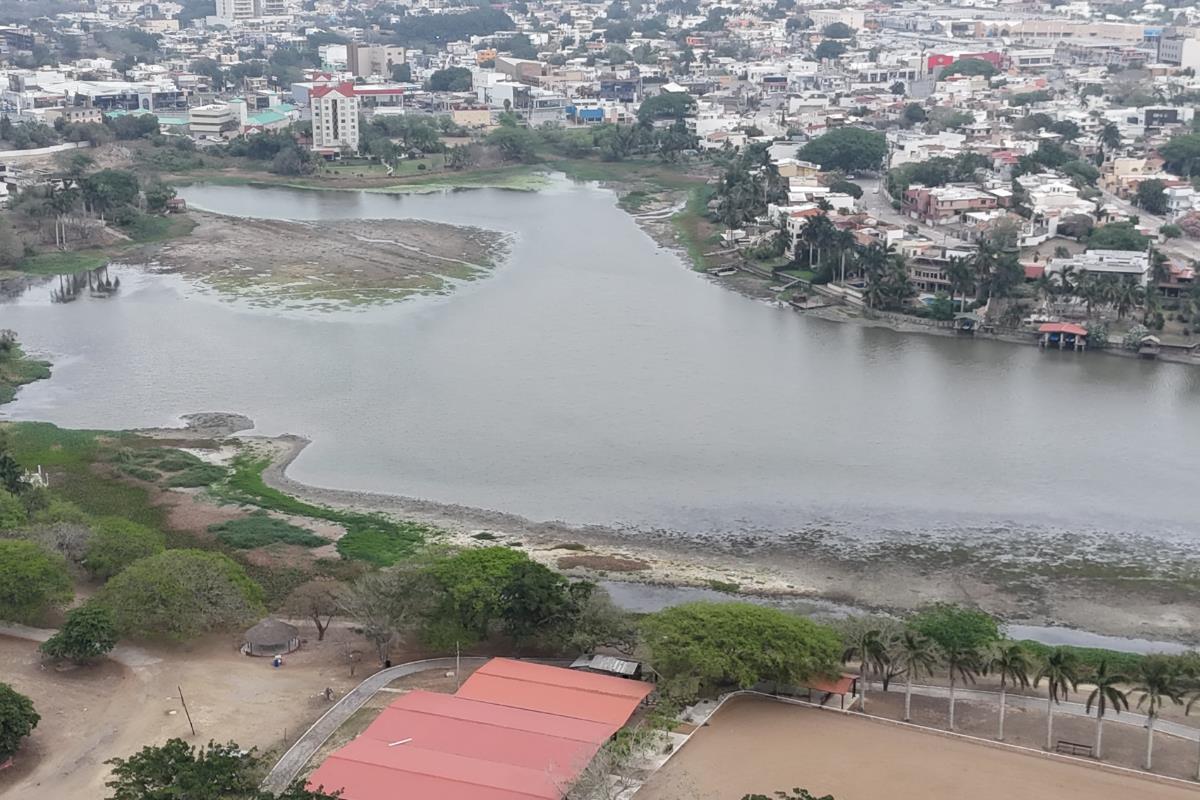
{"x":594,"y":379}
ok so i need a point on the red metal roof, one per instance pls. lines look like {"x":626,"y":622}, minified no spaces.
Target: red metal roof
{"x":1034,"y":271}
{"x":345,"y":89}
{"x":580,"y":695}
{"x":515,"y":731}
{"x":1062,"y":327}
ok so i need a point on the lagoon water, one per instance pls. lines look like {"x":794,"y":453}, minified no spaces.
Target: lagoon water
{"x":593,"y":378}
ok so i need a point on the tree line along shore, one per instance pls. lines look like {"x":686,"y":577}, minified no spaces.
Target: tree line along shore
{"x":93,"y":519}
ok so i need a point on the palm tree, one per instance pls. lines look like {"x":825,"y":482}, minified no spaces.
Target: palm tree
{"x":1158,"y":683}
{"x":844,"y":241}
{"x":865,"y":644}
{"x":962,"y":663}
{"x":1046,"y":286}
{"x":1127,"y":295}
{"x":1106,"y":695}
{"x":958,"y":273}
{"x":916,"y":655}
{"x":1110,"y":137}
{"x":1068,"y":280}
{"x":1060,"y":669}
{"x":1194,"y":700}
{"x":1010,"y":661}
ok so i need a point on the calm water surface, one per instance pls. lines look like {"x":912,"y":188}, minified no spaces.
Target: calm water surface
{"x":594,"y":379}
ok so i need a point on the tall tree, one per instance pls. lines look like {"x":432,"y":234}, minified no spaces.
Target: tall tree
{"x":17,"y":720}
{"x":31,"y":581}
{"x":915,"y":655}
{"x":865,"y":645}
{"x":1011,"y":662}
{"x":1060,"y":670}
{"x":1106,"y":694}
{"x":1158,"y":683}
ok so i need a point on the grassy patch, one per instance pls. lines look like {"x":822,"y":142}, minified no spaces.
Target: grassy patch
{"x":692,"y":226}
{"x":260,"y":530}
{"x":141,"y":473}
{"x":373,"y":538}
{"x":16,"y":370}
{"x":578,"y":547}
{"x":146,"y":229}
{"x":485,"y":536}
{"x":728,"y":587}
{"x":196,"y":476}
{"x":70,"y":454}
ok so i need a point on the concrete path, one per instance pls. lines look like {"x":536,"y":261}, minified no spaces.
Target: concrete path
{"x":1131,"y":717}
{"x":290,"y":764}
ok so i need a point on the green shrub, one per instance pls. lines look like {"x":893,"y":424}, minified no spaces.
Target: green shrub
{"x":141,"y":473}
{"x":199,"y":475}
{"x":379,"y":545}
{"x":116,"y":543}
{"x":260,"y":529}
{"x":178,"y":460}
{"x":1089,"y":658}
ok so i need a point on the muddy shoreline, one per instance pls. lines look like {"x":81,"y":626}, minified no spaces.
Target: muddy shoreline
{"x":331,"y":264}
{"x":898,"y":577}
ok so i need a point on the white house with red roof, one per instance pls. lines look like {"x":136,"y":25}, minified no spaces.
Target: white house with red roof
{"x":334,"y":118}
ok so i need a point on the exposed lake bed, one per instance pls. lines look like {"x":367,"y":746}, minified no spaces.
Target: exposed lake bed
{"x":592,"y":378}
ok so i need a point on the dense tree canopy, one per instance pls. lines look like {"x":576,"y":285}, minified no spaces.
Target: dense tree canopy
{"x":175,"y":769}
{"x":969,"y":67}
{"x":181,"y":593}
{"x":1152,"y":196}
{"x":838,"y":30}
{"x":88,"y":633}
{"x":829,"y":49}
{"x":17,"y":720}
{"x":848,"y":149}
{"x":955,"y":628}
{"x":1117,"y":236}
{"x":700,"y":648}
{"x":31,"y":581}
{"x":453,"y":79}
{"x":1182,"y":154}
{"x":667,"y":105}
{"x":116,"y":543}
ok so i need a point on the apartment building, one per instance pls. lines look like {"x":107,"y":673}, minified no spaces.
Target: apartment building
{"x":334,"y":118}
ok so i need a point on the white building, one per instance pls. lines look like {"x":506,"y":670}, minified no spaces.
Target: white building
{"x":334,"y":117}
{"x":1131,"y":264}
{"x":212,"y":120}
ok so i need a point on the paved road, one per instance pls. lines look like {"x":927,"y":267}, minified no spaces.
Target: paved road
{"x":290,"y":764}
{"x":1130,"y":717}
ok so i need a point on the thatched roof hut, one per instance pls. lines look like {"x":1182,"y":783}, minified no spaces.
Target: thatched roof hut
{"x":271,"y":637}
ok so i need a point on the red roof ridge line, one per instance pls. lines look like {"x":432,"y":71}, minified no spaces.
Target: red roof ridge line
{"x":627,"y":696}
{"x":505,"y":727}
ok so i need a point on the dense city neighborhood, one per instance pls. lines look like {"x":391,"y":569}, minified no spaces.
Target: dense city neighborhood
{"x":198,"y":196}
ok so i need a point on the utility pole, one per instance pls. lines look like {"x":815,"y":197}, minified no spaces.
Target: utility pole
{"x":457,"y":667}
{"x":185,"y":710}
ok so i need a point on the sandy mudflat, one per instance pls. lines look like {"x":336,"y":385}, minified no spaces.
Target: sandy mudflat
{"x":336,"y":262}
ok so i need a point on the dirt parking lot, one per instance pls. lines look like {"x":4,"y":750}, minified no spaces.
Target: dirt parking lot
{"x":757,"y":745}
{"x":112,"y":710}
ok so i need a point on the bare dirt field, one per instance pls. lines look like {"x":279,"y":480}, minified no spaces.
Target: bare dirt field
{"x":113,"y":709}
{"x":756,"y":745}
{"x":338,"y":262}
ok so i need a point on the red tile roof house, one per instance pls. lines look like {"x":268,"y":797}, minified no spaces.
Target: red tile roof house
{"x":514,"y":731}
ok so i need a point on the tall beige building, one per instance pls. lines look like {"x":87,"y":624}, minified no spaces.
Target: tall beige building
{"x":334,"y":117}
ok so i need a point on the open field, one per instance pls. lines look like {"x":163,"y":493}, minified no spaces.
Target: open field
{"x":757,"y":745}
